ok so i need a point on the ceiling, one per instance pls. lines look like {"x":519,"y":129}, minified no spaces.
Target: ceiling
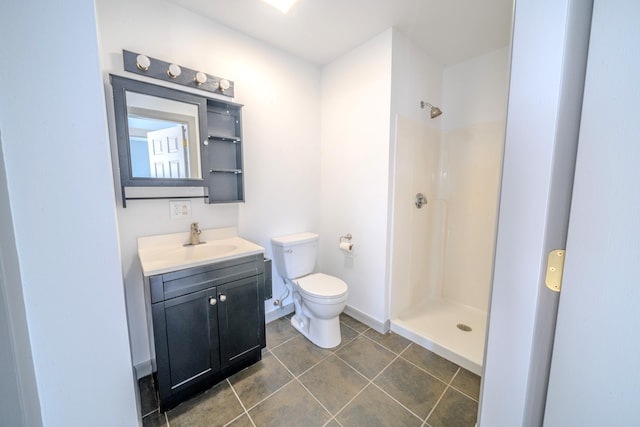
{"x":449,"y":31}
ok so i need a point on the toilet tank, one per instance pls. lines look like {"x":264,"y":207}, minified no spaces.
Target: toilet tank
{"x":295,"y":254}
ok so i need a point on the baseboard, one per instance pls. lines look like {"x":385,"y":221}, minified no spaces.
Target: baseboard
{"x":272,"y":315}
{"x":143,"y":369}
{"x":382,"y":327}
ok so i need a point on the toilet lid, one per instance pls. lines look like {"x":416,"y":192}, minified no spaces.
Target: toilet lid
{"x":322,"y":285}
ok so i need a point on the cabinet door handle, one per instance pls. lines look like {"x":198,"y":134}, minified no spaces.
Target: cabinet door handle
{"x":222,"y":297}
{"x":213,"y":301}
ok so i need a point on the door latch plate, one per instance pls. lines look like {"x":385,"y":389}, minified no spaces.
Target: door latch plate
{"x":555,"y":268}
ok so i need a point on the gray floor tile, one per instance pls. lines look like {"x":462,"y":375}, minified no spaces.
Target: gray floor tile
{"x":274,"y":398}
{"x":468,"y":383}
{"x":454,"y":410}
{"x":299,"y":354}
{"x":366,"y":356}
{"x":290,"y":406}
{"x":347,"y":334}
{"x":242,"y":421}
{"x":393,"y":342}
{"x":373,"y":408}
{"x":333,"y":383}
{"x":215,"y":407}
{"x":430,"y":362}
{"x":353,"y":323}
{"x":258,"y":381}
{"x":278,"y":331}
{"x":411,"y":386}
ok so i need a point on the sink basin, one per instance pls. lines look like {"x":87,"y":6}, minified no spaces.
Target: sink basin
{"x":204,"y":250}
{"x":165,"y":253}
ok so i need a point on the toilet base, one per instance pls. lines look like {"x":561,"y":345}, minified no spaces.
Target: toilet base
{"x":324,"y":333}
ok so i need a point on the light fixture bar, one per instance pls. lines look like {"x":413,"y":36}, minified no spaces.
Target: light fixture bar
{"x":282,"y":5}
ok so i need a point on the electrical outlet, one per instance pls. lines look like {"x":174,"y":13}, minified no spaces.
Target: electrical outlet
{"x":180,"y":209}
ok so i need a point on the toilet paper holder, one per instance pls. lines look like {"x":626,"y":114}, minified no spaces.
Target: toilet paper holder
{"x":346,"y":238}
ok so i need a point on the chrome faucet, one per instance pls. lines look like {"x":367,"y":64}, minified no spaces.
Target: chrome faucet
{"x":194,"y":238}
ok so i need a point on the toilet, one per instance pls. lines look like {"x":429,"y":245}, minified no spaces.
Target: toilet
{"x":318,"y":298}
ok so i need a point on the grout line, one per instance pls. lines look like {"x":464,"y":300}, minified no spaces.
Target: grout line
{"x":316,"y":399}
{"x":282,"y":343}
{"x":241,"y":404}
{"x":384,"y":346}
{"x":303,"y":372}
{"x":271,"y":394}
{"x":430,"y":373}
{"x":390,"y":396}
{"x":399,"y":403}
{"x":442,"y":395}
{"x":370,"y":381}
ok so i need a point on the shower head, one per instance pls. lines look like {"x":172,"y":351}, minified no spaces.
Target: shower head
{"x":435,"y":111}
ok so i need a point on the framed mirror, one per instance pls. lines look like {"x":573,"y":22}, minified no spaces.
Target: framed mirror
{"x":158,"y":133}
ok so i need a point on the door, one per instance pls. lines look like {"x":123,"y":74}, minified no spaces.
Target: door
{"x":239,"y":317}
{"x":595,"y":369}
{"x":167,"y":152}
{"x":191,"y":350}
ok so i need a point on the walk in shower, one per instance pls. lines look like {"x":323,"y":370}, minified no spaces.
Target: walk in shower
{"x":445,"y":200}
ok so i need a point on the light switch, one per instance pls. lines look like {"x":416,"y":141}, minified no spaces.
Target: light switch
{"x":180,"y":209}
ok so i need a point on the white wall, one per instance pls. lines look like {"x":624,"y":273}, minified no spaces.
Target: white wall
{"x":19,"y":403}
{"x":60,"y":190}
{"x":475,"y":91}
{"x":356,"y":99}
{"x":281,"y":134}
{"x":474,"y":105}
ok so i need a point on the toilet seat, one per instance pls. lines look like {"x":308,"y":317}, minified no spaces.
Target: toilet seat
{"x":321,"y":286}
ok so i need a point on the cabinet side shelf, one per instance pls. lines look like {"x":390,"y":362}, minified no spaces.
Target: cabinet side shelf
{"x":217,"y":138}
{"x":234,"y":171}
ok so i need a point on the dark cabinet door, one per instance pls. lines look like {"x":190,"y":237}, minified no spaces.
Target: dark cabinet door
{"x":187,"y":342}
{"x":240,"y":323}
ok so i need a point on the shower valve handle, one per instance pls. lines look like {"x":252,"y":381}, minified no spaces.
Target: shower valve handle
{"x":421,"y":200}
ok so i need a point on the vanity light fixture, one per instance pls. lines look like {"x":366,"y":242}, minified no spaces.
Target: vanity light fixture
{"x":174,"y":71}
{"x":171,"y":72}
{"x":282,"y":5}
{"x":200,"y":78}
{"x":143,"y":62}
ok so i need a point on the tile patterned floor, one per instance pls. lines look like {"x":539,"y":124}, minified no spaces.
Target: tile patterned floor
{"x":368,"y":380}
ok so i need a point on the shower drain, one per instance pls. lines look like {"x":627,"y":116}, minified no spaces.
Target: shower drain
{"x":464,"y":327}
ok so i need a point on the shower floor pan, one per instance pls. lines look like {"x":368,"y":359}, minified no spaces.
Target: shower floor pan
{"x":443,"y":327}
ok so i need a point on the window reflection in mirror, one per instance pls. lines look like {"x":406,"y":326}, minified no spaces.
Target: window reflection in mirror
{"x":163,"y":137}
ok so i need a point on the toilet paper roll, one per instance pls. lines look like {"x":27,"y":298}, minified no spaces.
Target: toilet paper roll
{"x":346,"y":247}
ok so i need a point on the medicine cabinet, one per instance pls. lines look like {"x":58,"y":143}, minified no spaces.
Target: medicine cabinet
{"x":169,"y":138}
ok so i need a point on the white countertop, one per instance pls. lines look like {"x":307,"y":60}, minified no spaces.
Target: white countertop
{"x":166,"y":252}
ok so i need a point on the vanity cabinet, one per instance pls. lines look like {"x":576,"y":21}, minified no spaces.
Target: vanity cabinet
{"x":208,"y":323}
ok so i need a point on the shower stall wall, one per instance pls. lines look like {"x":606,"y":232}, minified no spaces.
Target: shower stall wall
{"x":442,"y":253}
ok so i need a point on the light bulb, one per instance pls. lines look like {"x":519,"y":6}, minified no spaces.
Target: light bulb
{"x":174,"y":71}
{"x":143,"y":62}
